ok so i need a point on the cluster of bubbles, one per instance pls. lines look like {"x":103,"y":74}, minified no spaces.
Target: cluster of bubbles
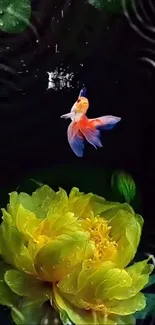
{"x":27,"y":29}
{"x":141,"y":17}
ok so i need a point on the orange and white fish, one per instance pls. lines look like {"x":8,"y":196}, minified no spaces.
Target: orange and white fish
{"x":81,"y":128}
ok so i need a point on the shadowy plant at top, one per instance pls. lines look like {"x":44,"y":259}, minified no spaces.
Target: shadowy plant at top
{"x":14,"y":15}
{"x":113,"y":6}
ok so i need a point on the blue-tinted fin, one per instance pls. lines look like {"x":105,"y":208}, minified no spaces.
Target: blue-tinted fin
{"x":83,"y":92}
{"x":92,"y":136}
{"x":76,"y":142}
{"x":108,"y":122}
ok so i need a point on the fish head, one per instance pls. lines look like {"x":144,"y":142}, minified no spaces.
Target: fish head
{"x":81,"y":105}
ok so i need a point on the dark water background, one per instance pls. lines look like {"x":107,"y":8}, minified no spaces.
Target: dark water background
{"x":103,"y":52}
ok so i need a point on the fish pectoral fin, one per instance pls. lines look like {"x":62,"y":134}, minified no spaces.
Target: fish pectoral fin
{"x":105,"y":122}
{"x":68,"y":115}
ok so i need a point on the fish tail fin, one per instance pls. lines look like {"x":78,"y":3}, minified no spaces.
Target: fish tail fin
{"x":75,"y":139}
{"x":92,"y":135}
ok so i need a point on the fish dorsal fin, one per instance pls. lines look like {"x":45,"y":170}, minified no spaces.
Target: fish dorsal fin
{"x":83,"y":92}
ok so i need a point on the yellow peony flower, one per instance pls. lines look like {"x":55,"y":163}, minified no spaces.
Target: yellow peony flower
{"x":74,"y":251}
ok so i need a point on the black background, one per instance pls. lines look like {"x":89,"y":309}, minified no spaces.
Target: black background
{"x":32,"y":135}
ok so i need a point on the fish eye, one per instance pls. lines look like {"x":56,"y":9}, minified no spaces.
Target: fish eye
{"x":79,"y":100}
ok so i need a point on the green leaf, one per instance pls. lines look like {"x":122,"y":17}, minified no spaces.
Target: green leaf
{"x":27,"y":313}
{"x":151,"y":281}
{"x":51,"y":316}
{"x":34,"y":313}
{"x":3,"y":268}
{"x":7,"y":297}
{"x":149,"y":310}
{"x":112,"y":6}
{"x":36,"y":182}
{"x":26,"y":285}
{"x":14,"y":15}
{"x":125,"y":185}
{"x":64,"y":317}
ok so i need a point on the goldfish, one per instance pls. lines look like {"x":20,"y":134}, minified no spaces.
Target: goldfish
{"x":82,"y":128}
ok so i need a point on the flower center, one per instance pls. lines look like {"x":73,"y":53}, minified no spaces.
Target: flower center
{"x":98,"y":308}
{"x":105,"y":246}
{"x":41,"y":240}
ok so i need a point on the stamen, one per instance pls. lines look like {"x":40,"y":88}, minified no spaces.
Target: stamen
{"x":99,"y":231}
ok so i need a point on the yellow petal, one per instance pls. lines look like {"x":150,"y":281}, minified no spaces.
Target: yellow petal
{"x":139,"y":273}
{"x":81,"y":316}
{"x":59,"y":204}
{"x":56,"y":224}
{"x":127,"y":306}
{"x":78,"y":203}
{"x":56,"y":258}
{"x":13,"y":248}
{"x":12,"y":206}
{"x":42,"y":199}
{"x":108,"y":209}
{"x":126,"y":231}
{"x":69,"y":284}
{"x":19,"y":199}
{"x":26,"y":221}
{"x":90,"y":279}
{"x":115,"y":279}
{"x":126,"y":320}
